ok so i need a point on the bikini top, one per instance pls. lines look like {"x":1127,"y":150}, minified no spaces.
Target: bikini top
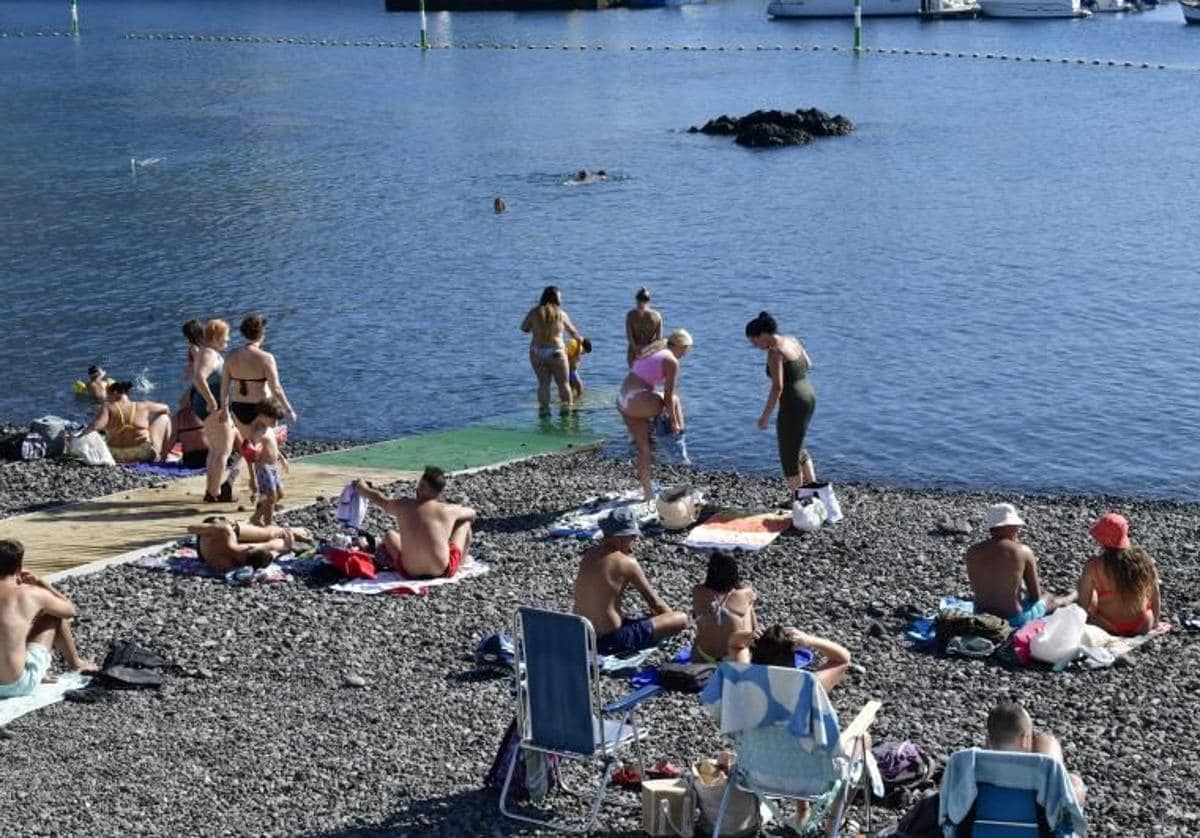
{"x":649,"y":368}
{"x":245,"y":391}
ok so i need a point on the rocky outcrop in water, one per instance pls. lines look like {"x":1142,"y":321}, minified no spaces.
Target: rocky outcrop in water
{"x":770,"y":129}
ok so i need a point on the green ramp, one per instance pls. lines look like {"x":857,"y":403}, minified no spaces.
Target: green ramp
{"x":458,"y":449}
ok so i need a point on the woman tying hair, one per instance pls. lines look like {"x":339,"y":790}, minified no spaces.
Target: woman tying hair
{"x":787,"y":367}
{"x":137,"y":432}
{"x":206,"y":387}
{"x":640,"y":404}
{"x":721,"y":606}
{"x":546,"y":323}
{"x":643,"y":325}
{"x":1119,"y":587}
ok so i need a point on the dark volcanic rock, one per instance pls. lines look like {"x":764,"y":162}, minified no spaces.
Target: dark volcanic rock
{"x":772,"y":128}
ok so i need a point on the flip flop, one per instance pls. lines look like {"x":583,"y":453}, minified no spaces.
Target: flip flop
{"x":627,"y":777}
{"x":663,"y":770}
{"x":970,"y":646}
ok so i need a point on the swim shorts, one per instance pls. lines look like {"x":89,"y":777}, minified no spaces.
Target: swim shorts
{"x":635,"y":633}
{"x":143,"y":452}
{"x":37,"y":664}
{"x":383,"y":559}
{"x":1031,"y":609}
{"x":267,"y":477}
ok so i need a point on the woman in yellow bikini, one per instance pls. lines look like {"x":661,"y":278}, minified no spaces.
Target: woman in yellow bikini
{"x":137,"y":432}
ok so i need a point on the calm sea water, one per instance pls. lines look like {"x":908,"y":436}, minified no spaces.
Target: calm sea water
{"x":995,"y":275}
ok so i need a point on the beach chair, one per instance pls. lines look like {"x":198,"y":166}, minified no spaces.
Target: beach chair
{"x":788,"y":744}
{"x":1002,"y":794}
{"x":559,"y":709}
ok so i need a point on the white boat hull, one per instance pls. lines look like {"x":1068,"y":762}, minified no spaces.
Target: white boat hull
{"x":843,"y":8}
{"x":1191,"y":13}
{"x":1033,"y":8}
{"x":1099,"y":6}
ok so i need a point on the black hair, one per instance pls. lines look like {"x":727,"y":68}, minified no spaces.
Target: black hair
{"x":601,"y":173}
{"x":550,"y":296}
{"x":774,"y":648}
{"x":193,"y":330}
{"x":270,"y":408}
{"x":12,"y":556}
{"x":370,"y":540}
{"x":764,"y":324}
{"x":586,"y":343}
{"x":253,"y":327}
{"x":258,"y":559}
{"x":642,"y":295}
{"x":94,"y":371}
{"x":435,"y":478}
{"x":121,"y":388}
{"x":582,"y":174}
{"x":722,"y":575}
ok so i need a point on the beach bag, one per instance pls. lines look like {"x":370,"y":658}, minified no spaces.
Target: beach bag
{"x":952,"y":622}
{"x":534,"y":776}
{"x":10,"y":446}
{"x":1016,"y":651}
{"x":33,"y":447}
{"x":353,"y":564}
{"x":824,"y":493}
{"x":1061,"y":636}
{"x":91,"y":448}
{"x":53,"y":429}
{"x":677,"y":508}
{"x":808,"y":514}
{"x":685,"y":677}
{"x":496,"y":651}
{"x":903,"y":767}
{"x":742,"y":816}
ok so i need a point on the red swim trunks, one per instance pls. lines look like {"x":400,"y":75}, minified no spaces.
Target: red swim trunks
{"x":383,"y":559}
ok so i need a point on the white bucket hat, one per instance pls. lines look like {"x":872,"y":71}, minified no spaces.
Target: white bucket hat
{"x":1003,"y":515}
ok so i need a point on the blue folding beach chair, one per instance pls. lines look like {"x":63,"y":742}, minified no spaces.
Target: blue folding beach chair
{"x":1002,"y":794}
{"x":788,"y":745}
{"x":559,"y":709}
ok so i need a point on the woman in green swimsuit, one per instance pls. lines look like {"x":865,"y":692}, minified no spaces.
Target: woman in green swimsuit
{"x":787,"y":367}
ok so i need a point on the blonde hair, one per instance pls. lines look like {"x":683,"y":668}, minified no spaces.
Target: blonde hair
{"x":215,"y":331}
{"x":680,"y":337}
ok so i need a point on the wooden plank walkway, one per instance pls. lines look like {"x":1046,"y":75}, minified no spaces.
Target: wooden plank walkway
{"x":106,"y":527}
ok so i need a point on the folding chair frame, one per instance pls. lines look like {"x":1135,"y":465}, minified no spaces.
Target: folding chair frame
{"x":624,"y":709}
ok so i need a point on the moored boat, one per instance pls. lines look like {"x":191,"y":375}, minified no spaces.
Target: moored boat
{"x":1191,"y":10}
{"x":843,"y":8}
{"x":1033,"y":8}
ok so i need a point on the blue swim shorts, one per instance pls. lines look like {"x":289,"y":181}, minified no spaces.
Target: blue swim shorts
{"x":634,"y":634}
{"x":1031,"y":609}
{"x":37,"y":664}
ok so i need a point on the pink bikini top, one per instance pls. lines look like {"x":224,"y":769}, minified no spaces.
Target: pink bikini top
{"x":650,"y":367}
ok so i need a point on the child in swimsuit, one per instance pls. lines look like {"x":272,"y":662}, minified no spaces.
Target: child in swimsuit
{"x":267,"y":461}
{"x":576,"y":349}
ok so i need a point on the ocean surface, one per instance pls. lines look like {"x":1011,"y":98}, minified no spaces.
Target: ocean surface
{"x":995,"y":274}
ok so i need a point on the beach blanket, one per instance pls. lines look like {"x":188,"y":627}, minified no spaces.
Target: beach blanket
{"x":733,"y":530}
{"x":584,"y":522}
{"x":43,"y":696}
{"x":1097,"y":638}
{"x":182,"y":560}
{"x":627,"y":665}
{"x":172,"y":470}
{"x":649,"y":675}
{"x":390,"y":582}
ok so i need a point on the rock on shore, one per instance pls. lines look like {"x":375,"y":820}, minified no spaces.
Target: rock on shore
{"x":275,"y":735}
{"x":773,"y":128}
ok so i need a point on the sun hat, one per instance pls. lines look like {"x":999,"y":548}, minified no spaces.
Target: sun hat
{"x":1003,"y":515}
{"x":621,"y":523}
{"x":680,"y":337}
{"x":1111,"y":530}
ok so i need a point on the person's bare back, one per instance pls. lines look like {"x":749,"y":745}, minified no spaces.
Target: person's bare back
{"x":719,"y":615}
{"x":604,"y":573}
{"x":1000,"y":571}
{"x":19,"y":606}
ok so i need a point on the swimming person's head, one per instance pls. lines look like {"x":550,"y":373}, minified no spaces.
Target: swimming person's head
{"x":601,"y":173}
{"x":762,"y":330}
{"x":216,"y":333}
{"x":722,"y":575}
{"x":95,"y":373}
{"x":12,"y":557}
{"x":642,"y":296}
{"x":1009,"y":728}
{"x":117,"y":389}
{"x":774,"y":648}
{"x":499,"y":206}
{"x":254,"y":327}
{"x":586,"y":344}
{"x":193,"y":332}
{"x":581,"y":174}
{"x":432,"y":483}
{"x":551,"y":296}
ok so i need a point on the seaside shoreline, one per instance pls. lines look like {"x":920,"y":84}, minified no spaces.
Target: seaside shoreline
{"x":270,"y":720}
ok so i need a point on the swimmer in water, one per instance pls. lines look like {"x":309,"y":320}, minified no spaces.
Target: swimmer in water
{"x":584,"y":176}
{"x":499,"y":206}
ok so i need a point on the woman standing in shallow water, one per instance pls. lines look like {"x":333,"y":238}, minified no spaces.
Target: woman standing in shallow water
{"x":640,"y":403}
{"x":787,"y":367}
{"x":643,"y":326}
{"x":545,"y":324}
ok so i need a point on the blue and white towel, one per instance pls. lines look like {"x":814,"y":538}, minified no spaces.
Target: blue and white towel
{"x":584,"y":522}
{"x":1045,"y":776}
{"x":743,"y":696}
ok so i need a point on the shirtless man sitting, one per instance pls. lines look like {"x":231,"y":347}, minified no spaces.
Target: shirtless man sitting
{"x":1003,"y":572}
{"x":605,"y":571}
{"x":227,"y":545}
{"x":34,"y":618}
{"x":434,"y":536}
{"x":1010,"y":728}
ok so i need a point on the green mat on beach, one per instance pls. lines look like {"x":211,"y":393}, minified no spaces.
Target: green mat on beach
{"x":462,"y":448}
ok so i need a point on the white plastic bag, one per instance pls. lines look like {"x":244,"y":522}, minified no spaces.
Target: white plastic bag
{"x":824,"y":491}
{"x":91,"y":448}
{"x":808,"y":514}
{"x":1061,"y":637}
{"x":678,"y":508}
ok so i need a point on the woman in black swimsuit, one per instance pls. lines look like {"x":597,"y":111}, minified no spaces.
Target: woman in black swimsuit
{"x":787,"y":367}
{"x":251,"y":376}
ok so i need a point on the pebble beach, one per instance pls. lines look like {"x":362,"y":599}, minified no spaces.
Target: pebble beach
{"x":299,"y":711}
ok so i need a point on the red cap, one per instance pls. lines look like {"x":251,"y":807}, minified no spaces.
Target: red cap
{"x":1111,"y":530}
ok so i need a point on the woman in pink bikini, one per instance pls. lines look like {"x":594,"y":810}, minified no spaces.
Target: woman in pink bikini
{"x":1119,"y":587}
{"x":640,"y":404}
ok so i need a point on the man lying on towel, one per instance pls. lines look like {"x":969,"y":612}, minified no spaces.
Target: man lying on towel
{"x":1003,"y":572}
{"x":226,"y":545}
{"x":34,"y":618}
{"x":604,"y":573}
{"x":434,"y":536}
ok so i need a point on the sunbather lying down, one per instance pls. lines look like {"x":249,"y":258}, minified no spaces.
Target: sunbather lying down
{"x":226,"y":545}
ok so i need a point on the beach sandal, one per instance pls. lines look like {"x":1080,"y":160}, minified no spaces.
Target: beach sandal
{"x":1192,"y":624}
{"x":970,"y":646}
{"x":227,"y":495}
{"x":627,"y":777}
{"x":663,"y":770}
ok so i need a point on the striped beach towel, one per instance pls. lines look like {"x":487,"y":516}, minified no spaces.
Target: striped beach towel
{"x":738,"y":530}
